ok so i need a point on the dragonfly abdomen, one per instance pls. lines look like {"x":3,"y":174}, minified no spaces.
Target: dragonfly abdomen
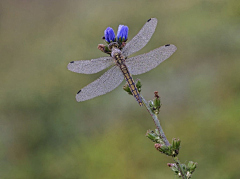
{"x":131,"y":83}
{"x":120,"y":62}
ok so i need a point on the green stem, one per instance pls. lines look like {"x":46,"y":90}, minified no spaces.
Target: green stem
{"x":180,"y":169}
{"x":156,"y":121}
{"x":162,"y":135}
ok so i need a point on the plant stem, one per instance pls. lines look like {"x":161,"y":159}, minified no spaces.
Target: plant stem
{"x":156,"y":121}
{"x":180,"y":169}
{"x":162,"y":136}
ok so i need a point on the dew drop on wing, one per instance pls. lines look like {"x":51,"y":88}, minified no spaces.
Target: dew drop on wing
{"x":167,"y":45}
{"x":79,"y":91}
{"x":72,"y":62}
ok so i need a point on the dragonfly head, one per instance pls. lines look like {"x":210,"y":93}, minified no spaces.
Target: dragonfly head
{"x":112,"y":45}
{"x":109,"y":48}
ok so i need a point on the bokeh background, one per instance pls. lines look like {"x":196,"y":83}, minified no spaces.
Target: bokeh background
{"x":45,"y":133}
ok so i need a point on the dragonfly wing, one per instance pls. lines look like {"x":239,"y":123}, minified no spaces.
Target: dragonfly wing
{"x":141,"y":39}
{"x":106,"y":83}
{"x":146,"y":62}
{"x":90,"y":66}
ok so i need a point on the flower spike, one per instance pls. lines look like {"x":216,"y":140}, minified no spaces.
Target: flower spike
{"x":109,"y":35}
{"x":122,"y":33}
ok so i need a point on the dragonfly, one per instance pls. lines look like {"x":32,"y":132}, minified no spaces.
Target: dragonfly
{"x":121,"y":66}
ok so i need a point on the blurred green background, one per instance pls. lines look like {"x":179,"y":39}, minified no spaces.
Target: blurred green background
{"x":45,"y":133}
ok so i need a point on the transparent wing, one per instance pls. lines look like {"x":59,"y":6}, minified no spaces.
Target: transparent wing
{"x":106,"y":83}
{"x":90,"y":66}
{"x":146,"y":62}
{"x":141,"y":39}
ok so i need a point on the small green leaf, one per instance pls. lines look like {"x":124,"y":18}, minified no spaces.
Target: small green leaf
{"x":127,"y":89}
{"x":139,"y":85}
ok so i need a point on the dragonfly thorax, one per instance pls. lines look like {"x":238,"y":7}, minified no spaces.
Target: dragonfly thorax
{"x":117,"y":55}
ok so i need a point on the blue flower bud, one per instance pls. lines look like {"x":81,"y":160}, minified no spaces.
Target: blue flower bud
{"x":109,"y":35}
{"x":122,"y":33}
